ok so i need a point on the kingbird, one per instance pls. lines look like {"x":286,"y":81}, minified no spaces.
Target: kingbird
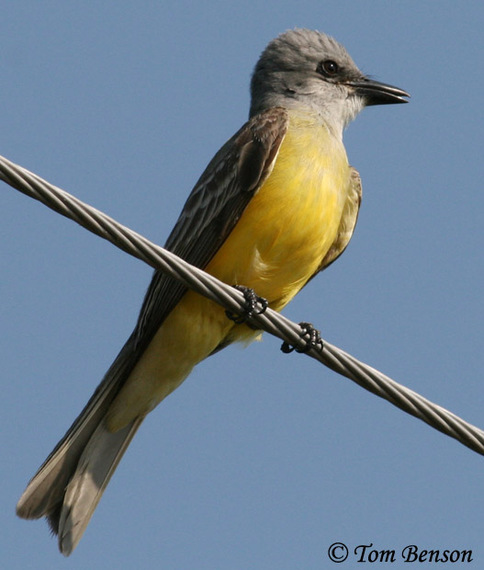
{"x":277,"y":204}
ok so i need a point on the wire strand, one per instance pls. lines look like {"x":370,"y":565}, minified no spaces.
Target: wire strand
{"x":274,"y":323}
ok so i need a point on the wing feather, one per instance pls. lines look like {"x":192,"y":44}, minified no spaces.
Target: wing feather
{"x":347,"y":224}
{"x":211,"y":211}
{"x":213,"y":208}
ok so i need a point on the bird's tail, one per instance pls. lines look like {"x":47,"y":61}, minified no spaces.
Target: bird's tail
{"x":67,"y":487}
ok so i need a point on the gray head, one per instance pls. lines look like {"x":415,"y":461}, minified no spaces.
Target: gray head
{"x":305,"y":68}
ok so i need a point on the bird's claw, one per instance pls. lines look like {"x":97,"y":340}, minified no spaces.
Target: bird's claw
{"x":253,"y":305}
{"x":310,"y":335}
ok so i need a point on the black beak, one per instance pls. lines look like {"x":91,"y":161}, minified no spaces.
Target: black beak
{"x":376,"y":93}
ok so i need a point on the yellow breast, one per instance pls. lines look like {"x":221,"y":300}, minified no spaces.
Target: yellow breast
{"x":291,"y":222}
{"x":276,"y":246}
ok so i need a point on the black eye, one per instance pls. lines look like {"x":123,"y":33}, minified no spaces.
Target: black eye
{"x":328,"y":68}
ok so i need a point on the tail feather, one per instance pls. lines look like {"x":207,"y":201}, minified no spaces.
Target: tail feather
{"x":96,"y":465}
{"x":45,"y":492}
{"x":69,"y":484}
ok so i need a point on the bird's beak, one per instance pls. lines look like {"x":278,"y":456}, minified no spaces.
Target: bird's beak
{"x":376,"y":93}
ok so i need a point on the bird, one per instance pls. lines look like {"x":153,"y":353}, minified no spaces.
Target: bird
{"x":276,"y":205}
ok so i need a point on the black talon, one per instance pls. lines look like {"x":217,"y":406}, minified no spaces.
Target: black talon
{"x":310,"y":335}
{"x":253,"y":305}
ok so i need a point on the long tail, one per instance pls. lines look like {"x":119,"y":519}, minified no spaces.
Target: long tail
{"x":67,"y":487}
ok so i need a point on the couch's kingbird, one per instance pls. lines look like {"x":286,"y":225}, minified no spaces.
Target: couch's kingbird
{"x":277,"y":204}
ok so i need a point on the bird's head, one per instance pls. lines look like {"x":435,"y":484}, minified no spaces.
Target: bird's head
{"x":307,"y":69}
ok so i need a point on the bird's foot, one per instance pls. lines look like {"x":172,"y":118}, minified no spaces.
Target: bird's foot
{"x":310,"y":335}
{"x":253,"y":305}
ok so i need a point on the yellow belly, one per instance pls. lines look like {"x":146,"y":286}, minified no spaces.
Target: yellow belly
{"x":291,"y":222}
{"x":276,"y":246}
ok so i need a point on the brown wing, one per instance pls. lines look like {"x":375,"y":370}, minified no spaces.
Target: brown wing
{"x":211,"y":211}
{"x":213,"y":208}
{"x":348,"y":222}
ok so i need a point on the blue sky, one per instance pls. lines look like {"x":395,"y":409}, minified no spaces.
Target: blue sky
{"x":259,"y":460}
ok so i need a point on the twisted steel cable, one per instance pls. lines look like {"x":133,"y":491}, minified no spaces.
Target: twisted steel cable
{"x":274,"y":323}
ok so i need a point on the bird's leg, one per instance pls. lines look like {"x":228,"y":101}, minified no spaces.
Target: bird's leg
{"x":310,"y":335}
{"x":253,"y":305}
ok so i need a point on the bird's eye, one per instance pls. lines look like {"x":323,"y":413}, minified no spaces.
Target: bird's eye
{"x":328,"y":68}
